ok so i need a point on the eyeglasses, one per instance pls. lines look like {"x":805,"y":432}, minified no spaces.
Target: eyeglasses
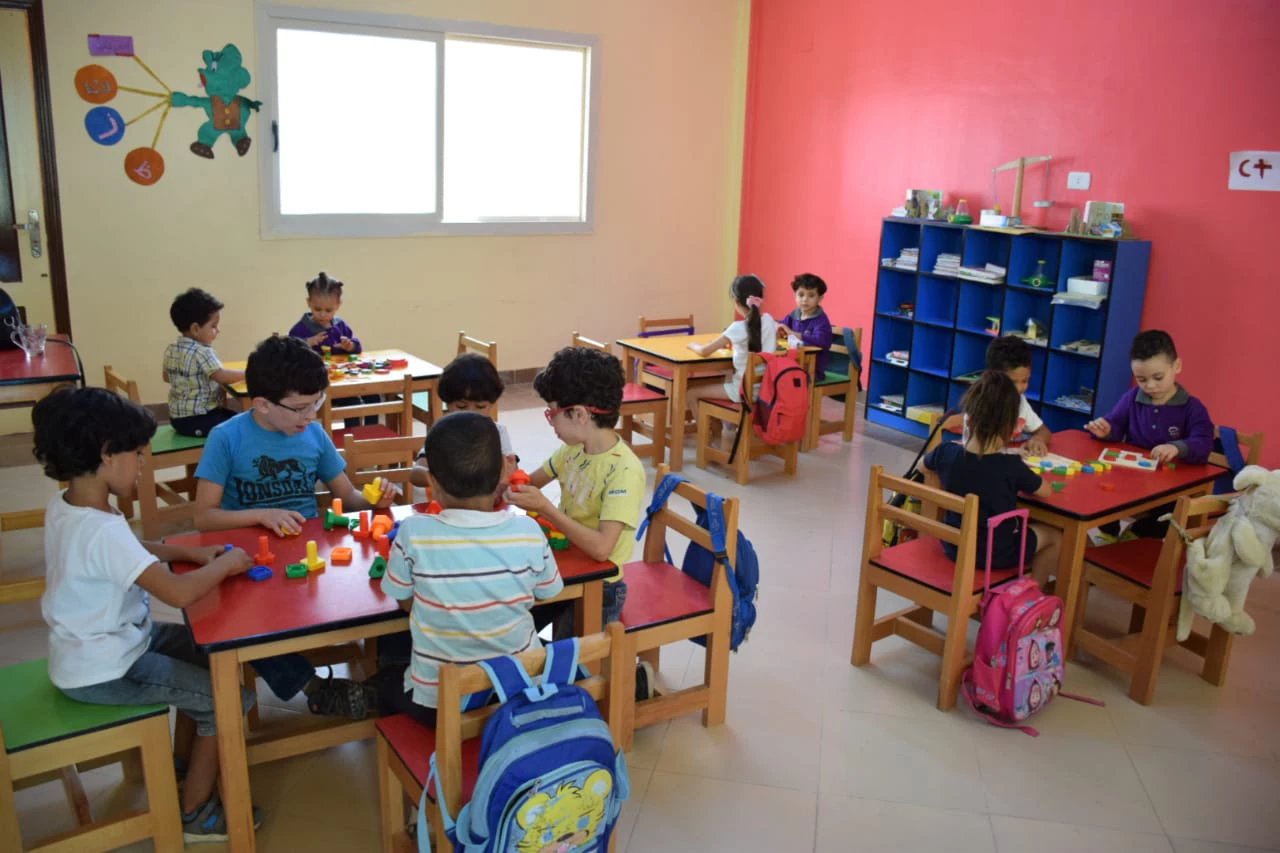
{"x":551,"y":413}
{"x":302,"y":411}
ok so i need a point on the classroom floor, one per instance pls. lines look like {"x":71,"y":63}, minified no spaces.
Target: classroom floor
{"x":815,"y":754}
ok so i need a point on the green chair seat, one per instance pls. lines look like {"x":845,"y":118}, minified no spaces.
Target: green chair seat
{"x":34,"y":712}
{"x":168,"y":441}
{"x":832,"y":378}
{"x":422,"y":400}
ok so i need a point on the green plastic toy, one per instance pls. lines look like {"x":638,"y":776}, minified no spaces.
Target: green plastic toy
{"x":378,"y":568}
{"x":295,"y":570}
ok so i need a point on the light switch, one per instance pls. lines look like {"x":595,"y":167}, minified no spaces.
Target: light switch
{"x":1078,"y":180}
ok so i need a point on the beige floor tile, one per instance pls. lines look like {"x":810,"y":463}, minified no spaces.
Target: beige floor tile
{"x":927,"y":762}
{"x":901,"y":680}
{"x":315,"y":832}
{"x":1018,"y":834}
{"x":1070,"y":779}
{"x":340,"y":783}
{"x":1190,"y":845}
{"x":647,"y":748}
{"x":687,"y":813}
{"x":631,"y":808}
{"x":1224,"y":798}
{"x":852,"y":823}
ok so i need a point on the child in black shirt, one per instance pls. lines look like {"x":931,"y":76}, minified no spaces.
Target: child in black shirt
{"x":982,"y":467}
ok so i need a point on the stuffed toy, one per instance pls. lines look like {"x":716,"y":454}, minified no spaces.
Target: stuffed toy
{"x":1220,"y":566}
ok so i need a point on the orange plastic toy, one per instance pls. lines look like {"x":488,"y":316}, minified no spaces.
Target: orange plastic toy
{"x":434,"y":508}
{"x":340,"y":556}
{"x":519,"y":478}
{"x":363,"y":532}
{"x":264,"y":557}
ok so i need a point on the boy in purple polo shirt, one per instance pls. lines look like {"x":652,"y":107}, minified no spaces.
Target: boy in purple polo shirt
{"x":809,"y":322}
{"x":1157,"y":414}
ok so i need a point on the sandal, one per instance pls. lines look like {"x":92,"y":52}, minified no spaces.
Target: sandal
{"x":341,"y":697}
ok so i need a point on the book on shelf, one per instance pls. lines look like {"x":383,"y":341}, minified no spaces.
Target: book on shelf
{"x":1084,"y":347}
{"x":899,"y":357}
{"x":1081,"y":300}
{"x":947,"y":264}
{"x":908,"y":259}
{"x":990,"y":274}
{"x":893,"y":401}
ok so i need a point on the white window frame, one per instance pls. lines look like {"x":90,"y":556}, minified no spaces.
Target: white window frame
{"x":271,"y":17}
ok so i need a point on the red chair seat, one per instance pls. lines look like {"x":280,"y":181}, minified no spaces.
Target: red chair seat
{"x":414,"y":743}
{"x":635,"y":393}
{"x":665,"y":372}
{"x":1134,"y":560}
{"x":364,"y":433}
{"x":923,"y":561}
{"x":658,"y":593}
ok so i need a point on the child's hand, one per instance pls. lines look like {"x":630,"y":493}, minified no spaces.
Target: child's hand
{"x":528,"y":498}
{"x":1164,"y":453}
{"x":316,"y":340}
{"x":345,"y":343}
{"x":1098,"y":428}
{"x":390,"y":491}
{"x":281,"y":522}
{"x":203,"y":555}
{"x":1035,"y":447}
{"x":697,"y":348}
{"x":237,"y":560}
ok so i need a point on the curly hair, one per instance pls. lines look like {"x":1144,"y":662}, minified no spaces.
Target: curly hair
{"x":992,"y":404}
{"x":323,"y":285}
{"x":809,"y":281}
{"x":464,"y":454}
{"x":470,"y":376}
{"x":1008,"y":352}
{"x":745,"y":287}
{"x":1152,"y":343}
{"x":579,"y":376}
{"x":76,"y":427}
{"x":280,"y":366}
{"x":193,"y":306}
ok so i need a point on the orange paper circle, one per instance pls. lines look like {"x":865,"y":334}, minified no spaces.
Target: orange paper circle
{"x":144,"y":166}
{"x":96,"y":84}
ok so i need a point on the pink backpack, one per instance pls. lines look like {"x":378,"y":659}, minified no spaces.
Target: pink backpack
{"x":1018,"y":663}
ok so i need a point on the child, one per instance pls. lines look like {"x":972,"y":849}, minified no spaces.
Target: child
{"x":471,"y":383}
{"x":261,"y":468}
{"x":1159,"y":415}
{"x":104,"y":648}
{"x":1011,"y":355}
{"x":468,"y":575}
{"x":192,"y":369}
{"x":321,"y":326}
{"x":809,"y":322}
{"x":601,"y":480}
{"x":746,"y":335}
{"x":980,"y":467}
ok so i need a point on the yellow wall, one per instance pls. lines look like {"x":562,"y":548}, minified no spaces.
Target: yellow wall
{"x":668,"y":185}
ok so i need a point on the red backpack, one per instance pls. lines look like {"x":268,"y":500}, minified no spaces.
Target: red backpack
{"x":782,"y":409}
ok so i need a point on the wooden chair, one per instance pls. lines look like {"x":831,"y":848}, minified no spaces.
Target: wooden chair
{"x":918,"y":570}
{"x":161,"y":501}
{"x":749,"y":447}
{"x":405,"y":747}
{"x":664,"y":605}
{"x":389,"y":458}
{"x":396,"y":405}
{"x":1148,"y":574}
{"x":1250,"y":443}
{"x":466,"y":343}
{"x":27,"y":589}
{"x":659,"y":377}
{"x":844,"y":344}
{"x":45,"y":735}
{"x":637,"y":400}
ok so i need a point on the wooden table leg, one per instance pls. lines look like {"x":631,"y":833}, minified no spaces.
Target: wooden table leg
{"x":587,"y":615}
{"x":679,"y":385}
{"x":233,"y":760}
{"x":1075,"y":539}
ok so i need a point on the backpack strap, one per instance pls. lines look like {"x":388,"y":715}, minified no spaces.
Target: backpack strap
{"x":661,"y":493}
{"x":1235,"y":460}
{"x":992,"y":523}
{"x":967,"y":693}
{"x":507,"y":676}
{"x":719,"y":543}
{"x":562,"y":664}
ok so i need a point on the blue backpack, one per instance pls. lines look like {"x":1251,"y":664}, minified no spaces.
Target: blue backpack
{"x":549,"y":771}
{"x":1230,"y":441}
{"x":744,"y":579}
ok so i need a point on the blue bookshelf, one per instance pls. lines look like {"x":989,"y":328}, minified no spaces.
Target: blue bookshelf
{"x":947,"y":335}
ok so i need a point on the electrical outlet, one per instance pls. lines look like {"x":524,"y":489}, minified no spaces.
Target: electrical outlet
{"x":1078,"y":180}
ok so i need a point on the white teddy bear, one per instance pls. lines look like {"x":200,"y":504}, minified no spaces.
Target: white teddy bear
{"x":1221,"y":565}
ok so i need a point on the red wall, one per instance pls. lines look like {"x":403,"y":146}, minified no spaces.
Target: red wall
{"x":850,"y":102}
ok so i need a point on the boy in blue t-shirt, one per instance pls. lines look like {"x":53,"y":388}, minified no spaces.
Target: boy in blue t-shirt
{"x":261,"y":468}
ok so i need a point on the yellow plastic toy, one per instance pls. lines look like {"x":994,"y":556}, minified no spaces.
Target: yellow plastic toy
{"x":373,"y":491}
{"x":313,"y":561}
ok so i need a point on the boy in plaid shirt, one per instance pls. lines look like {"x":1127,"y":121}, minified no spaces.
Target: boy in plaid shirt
{"x":192,"y":369}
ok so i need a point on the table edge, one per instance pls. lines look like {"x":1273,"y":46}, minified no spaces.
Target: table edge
{"x":1041,"y":503}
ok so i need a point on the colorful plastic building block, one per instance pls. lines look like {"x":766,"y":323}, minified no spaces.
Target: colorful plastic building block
{"x":1106,"y":487}
{"x":336,"y":506}
{"x":391,"y":534}
{"x":227,"y":547}
{"x":340,"y":556}
{"x":398,"y":362}
{"x":434,"y":508}
{"x":1087,"y":469}
{"x":382,"y":545}
{"x":313,"y":561}
{"x":333,"y":519}
{"x":1071,"y":472}
{"x":1059,"y":486}
{"x":264,"y":557}
{"x":287,"y":533}
{"x":519,"y":478}
{"x":1046,"y":465}
{"x":363,"y":532}
{"x":259,"y":573}
{"x":378,"y":568}
{"x":558,"y":541}
{"x":1060,"y":471}
{"x":373,"y":491}
{"x":295,"y":570}
{"x":1172,"y":467}
{"x":1033,"y":460}
{"x":381,"y":525}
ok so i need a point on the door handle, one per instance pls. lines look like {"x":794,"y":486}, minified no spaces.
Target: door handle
{"x":32,"y":227}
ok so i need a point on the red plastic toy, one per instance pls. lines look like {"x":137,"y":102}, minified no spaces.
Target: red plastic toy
{"x":519,"y":478}
{"x":264,"y":557}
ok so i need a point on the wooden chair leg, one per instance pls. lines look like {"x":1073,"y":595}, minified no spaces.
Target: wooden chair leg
{"x":953,"y":656}
{"x":659,"y":434}
{"x":390,"y":798}
{"x":162,"y":787}
{"x":716,"y":672}
{"x":1146,"y":670}
{"x":704,"y":436}
{"x":1217,"y":657}
{"x":10,"y":832}
{"x":1136,"y":616}
{"x":249,"y":678}
{"x":864,"y":621}
{"x":132,"y":763}
{"x":742,"y":462}
{"x":184,"y":734}
{"x":76,"y":798}
{"x":791,"y":458}
{"x":850,"y":409}
{"x":652,"y":657}
{"x":148,"y":501}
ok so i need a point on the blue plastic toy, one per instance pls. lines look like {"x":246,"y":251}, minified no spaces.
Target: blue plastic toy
{"x":259,"y":573}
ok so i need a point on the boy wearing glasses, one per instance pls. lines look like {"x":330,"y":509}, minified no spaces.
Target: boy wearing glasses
{"x":261,"y":468}
{"x":601,"y":480}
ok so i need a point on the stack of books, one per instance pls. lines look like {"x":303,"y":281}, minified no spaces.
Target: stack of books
{"x":899,"y":357}
{"x":948,"y":265}
{"x":908,"y":259}
{"x":989,"y":274}
{"x":893,"y":402}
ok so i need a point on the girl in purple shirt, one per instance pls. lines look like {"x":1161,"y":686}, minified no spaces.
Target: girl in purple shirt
{"x":321,"y":326}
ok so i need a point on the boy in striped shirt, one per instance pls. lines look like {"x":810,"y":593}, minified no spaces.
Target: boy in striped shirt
{"x":467,"y":576}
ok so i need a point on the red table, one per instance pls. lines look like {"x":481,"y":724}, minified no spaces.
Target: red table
{"x":27,"y":380}
{"x":1091,"y":500}
{"x":244,"y":620}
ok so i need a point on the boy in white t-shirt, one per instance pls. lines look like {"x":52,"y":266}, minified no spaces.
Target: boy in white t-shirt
{"x":103,"y":646}
{"x":1011,"y":356}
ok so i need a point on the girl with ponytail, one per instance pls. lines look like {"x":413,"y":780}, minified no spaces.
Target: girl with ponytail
{"x":753,"y":333}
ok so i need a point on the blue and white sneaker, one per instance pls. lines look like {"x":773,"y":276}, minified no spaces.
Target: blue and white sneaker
{"x":209,"y":822}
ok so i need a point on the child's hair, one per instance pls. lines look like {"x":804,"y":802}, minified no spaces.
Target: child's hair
{"x":748,"y":291}
{"x":1152,"y":343}
{"x":809,"y":281}
{"x":464,"y":454}
{"x":193,"y":306}
{"x":75,"y":427}
{"x":1008,"y":353}
{"x":280,"y":366}
{"x":579,"y":376}
{"x":470,"y":376}
{"x":992,"y":404}
{"x":323,"y":285}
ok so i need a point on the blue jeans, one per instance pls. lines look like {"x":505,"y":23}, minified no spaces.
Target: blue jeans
{"x":172,"y":671}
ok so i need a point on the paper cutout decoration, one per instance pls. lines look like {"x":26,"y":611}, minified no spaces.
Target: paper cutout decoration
{"x":144,"y":166}
{"x":100,"y":45}
{"x":223,"y":77}
{"x":96,"y":84}
{"x":104,"y":125}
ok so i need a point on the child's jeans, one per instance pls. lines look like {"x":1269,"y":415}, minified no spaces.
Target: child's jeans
{"x":560,"y":614}
{"x":172,"y":671}
{"x":286,"y":675}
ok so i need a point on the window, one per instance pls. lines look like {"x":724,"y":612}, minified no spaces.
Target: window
{"x":386,"y":125}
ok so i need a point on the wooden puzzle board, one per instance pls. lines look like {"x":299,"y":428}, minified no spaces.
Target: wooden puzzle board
{"x":1128,"y":459}
{"x":1058,"y":461}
